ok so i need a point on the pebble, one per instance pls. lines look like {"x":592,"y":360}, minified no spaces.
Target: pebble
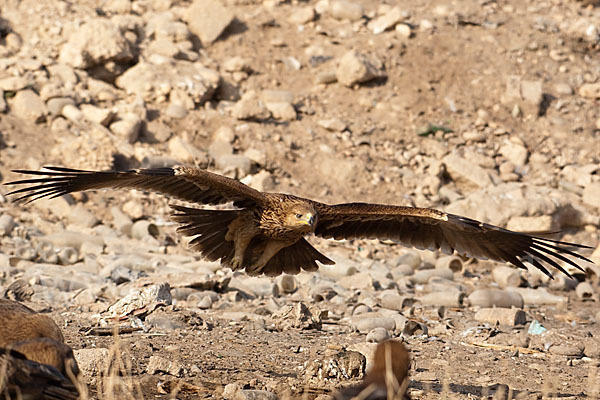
{"x":505,"y":316}
{"x":128,"y":127}
{"x":386,"y":21}
{"x":29,"y":106}
{"x":254,"y":394}
{"x":345,"y":10}
{"x":7,"y":223}
{"x":495,"y":298}
{"x":142,"y":229}
{"x":584,"y":291}
{"x":378,"y":335}
{"x":590,"y":90}
{"x":302,"y":15}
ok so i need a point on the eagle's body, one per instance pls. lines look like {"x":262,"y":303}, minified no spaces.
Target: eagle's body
{"x":265,"y":232}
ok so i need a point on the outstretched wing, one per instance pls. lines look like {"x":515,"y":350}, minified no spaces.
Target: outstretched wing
{"x":189,"y":184}
{"x":425,"y":228}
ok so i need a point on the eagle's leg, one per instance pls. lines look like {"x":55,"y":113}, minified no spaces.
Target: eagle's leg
{"x":272,"y":247}
{"x":241,"y":231}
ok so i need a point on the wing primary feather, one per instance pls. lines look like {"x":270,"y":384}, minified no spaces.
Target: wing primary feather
{"x":534,"y":253}
{"x":557,"y":255}
{"x":562,"y":249}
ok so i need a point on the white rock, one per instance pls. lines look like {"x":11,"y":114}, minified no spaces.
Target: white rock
{"x":591,"y":194}
{"x":387,"y":21}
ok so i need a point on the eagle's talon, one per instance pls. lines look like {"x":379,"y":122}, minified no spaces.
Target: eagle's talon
{"x":236,"y":263}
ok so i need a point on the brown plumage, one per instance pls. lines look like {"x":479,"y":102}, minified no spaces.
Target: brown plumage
{"x":21,"y":378}
{"x":265,"y":233}
{"x":36,"y":336}
{"x":387,"y":378}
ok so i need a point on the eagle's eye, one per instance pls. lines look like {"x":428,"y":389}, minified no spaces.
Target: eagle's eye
{"x":298,"y":216}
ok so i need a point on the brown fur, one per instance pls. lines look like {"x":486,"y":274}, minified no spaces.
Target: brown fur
{"x":50,"y":352}
{"x":386,"y":378}
{"x":21,"y":378}
{"x":19,"y":323}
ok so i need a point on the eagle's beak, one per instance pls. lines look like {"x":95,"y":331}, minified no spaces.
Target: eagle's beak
{"x":310,"y":219}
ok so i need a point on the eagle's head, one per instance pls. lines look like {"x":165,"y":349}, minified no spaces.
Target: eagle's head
{"x":301,"y":217}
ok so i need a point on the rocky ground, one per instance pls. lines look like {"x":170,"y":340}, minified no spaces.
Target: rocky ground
{"x":488,"y":109}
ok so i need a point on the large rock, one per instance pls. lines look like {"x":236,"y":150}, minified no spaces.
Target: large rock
{"x":155,"y":80}
{"x":459,"y":168}
{"x":96,"y":42}
{"x":356,"y":68}
{"x":207,"y":19}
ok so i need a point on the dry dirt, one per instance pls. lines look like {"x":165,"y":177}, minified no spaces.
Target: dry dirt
{"x":451,"y":72}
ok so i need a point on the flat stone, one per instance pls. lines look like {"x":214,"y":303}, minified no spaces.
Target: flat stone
{"x":386,"y":21}
{"x":158,"y":364}
{"x":495,"y":298}
{"x":458,"y":167}
{"x":543,"y":223}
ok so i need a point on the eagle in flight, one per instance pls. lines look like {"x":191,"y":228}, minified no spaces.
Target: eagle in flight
{"x":265,"y":233}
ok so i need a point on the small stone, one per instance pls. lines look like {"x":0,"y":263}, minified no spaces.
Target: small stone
{"x":224,"y":134}
{"x":248,"y":108}
{"x":208,"y":19}
{"x":29,"y":106}
{"x":531,"y":91}
{"x":97,"y":41}
{"x":515,"y":153}
{"x":345,"y":10}
{"x":591,"y":194}
{"x":506,"y":276}
{"x":584,"y":291}
{"x":333,"y":124}
{"x":404,"y":30}
{"x":56,"y":104}
{"x":13,"y":84}
{"x":386,"y":21}
{"x":566,"y":350}
{"x":7,"y":223}
{"x":282,"y":111}
{"x":302,"y":15}
{"x":181,"y":149}
{"x":378,"y":335}
{"x":447,"y":298}
{"x":460,"y":168}
{"x":590,"y":90}
{"x":539,"y":296}
{"x":128,"y":127}
{"x":562,"y":88}
{"x":158,"y":364}
{"x":356,"y":68}
{"x":102,"y":116}
{"x":205,"y":303}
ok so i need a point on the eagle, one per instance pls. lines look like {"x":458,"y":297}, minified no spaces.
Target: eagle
{"x":265,"y":232}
